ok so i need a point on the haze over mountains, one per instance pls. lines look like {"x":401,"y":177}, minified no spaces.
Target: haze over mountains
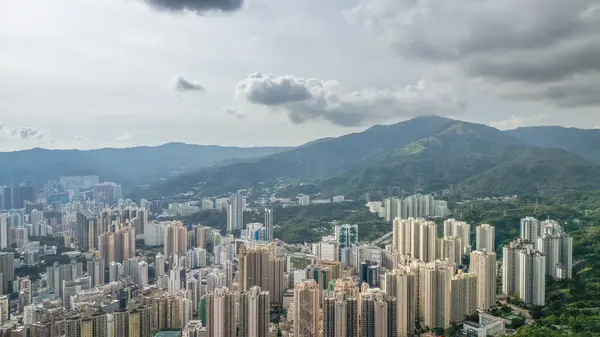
{"x":135,"y":165}
{"x":422,"y":154}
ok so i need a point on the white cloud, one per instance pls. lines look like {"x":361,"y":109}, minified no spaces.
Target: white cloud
{"x":23,"y":132}
{"x":313,"y":99}
{"x":124,"y":137}
{"x":27,"y":132}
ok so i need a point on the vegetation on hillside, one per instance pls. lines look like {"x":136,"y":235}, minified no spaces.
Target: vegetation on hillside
{"x":306,"y":223}
{"x":579,"y":141}
{"x":426,"y":154}
{"x":572,"y":306}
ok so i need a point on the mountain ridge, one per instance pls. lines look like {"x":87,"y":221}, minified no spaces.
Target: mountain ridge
{"x":427,"y":153}
{"x":133,"y":165}
{"x":583,"y":142}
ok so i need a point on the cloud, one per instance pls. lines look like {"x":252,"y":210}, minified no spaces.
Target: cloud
{"x":235,"y":113}
{"x":533,"y":45}
{"x":80,"y":138}
{"x":309,"y":99}
{"x":517,"y":121}
{"x":197,"y":6}
{"x":124,"y":137}
{"x":183,"y":85}
{"x":27,"y":132}
{"x":24,"y":132}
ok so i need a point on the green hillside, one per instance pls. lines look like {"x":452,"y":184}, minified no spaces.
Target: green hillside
{"x":425,"y":154}
{"x":585,"y":143}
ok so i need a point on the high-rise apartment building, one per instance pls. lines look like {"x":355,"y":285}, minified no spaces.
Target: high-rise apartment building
{"x":483,"y":264}
{"x":377,"y":314}
{"x":254,"y":313}
{"x":402,"y":283}
{"x":464,"y":295}
{"x":22,"y":194}
{"x":307,"y":309}
{"x":276,"y":281}
{"x":435,"y":307}
{"x":485,"y":236}
{"x":87,"y":231}
{"x":56,"y":274}
{"x":450,"y":248}
{"x":532,"y":275}
{"x":115,"y":269}
{"x":221,"y":313}
{"x":95,"y":269}
{"x":453,"y":227}
{"x":324,"y":272}
{"x":558,"y":249}
{"x":159,"y":264}
{"x":340,"y":314}
{"x":551,"y":227}
{"x":253,"y":266}
{"x":530,"y":229}
{"x":510,"y":265}
{"x":4,"y":241}
{"x":524,"y":272}
{"x":117,"y":245}
{"x":414,"y":206}
{"x":427,"y":241}
{"x":175,"y":241}
{"x":346,"y":235}
{"x":200,"y":236}
{"x":304,"y":200}
{"x":7,"y":198}
{"x":7,"y":270}
{"x":415,"y":237}
{"x":235,"y":212}
{"x":257,"y":267}
{"x":140,"y":220}
{"x":207,"y":204}
{"x":269,"y":224}
{"x":406,"y":236}
{"x":326,"y":250}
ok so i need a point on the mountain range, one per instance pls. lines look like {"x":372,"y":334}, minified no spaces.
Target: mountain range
{"x":135,"y":165}
{"x":424,"y":154}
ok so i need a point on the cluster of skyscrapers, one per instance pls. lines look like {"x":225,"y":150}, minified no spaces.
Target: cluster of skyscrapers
{"x":203,"y":282}
{"x":542,"y":249}
{"x":16,"y":197}
{"x":414,"y":206}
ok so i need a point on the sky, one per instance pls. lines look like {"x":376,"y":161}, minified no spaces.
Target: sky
{"x":119,"y":73}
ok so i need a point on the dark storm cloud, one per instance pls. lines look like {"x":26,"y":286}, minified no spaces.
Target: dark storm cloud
{"x":315,"y":99}
{"x":536,"y":43}
{"x":196,"y":5}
